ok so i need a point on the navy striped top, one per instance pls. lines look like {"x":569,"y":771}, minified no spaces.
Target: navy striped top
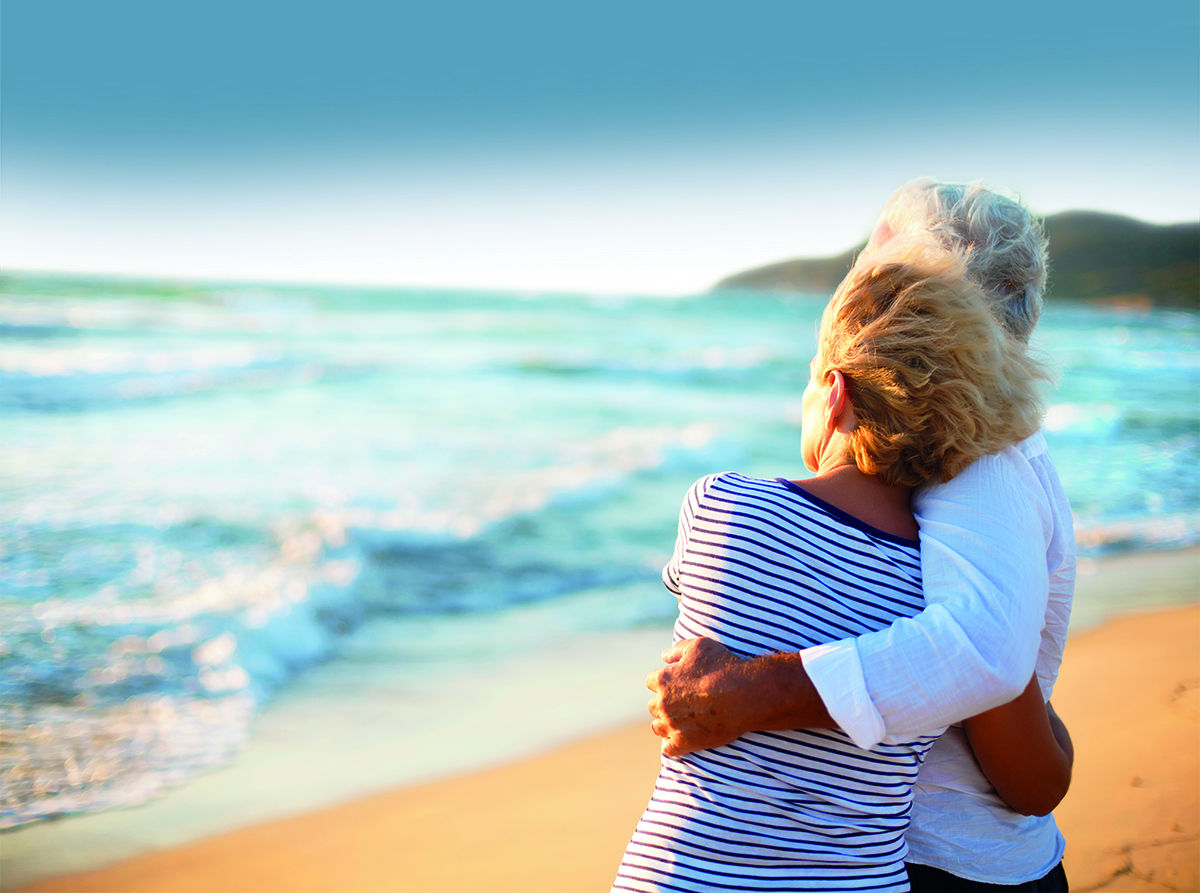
{"x":762,"y":566}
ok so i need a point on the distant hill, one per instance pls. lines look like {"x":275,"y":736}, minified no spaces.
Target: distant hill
{"x":1093,"y":256}
{"x":1105,"y":255}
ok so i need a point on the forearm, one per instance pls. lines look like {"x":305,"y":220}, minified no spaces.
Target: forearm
{"x":782,"y":696}
{"x":1061,"y":736}
{"x":1025,"y":752}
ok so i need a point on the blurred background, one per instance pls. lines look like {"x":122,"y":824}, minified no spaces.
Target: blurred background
{"x":354,"y":358}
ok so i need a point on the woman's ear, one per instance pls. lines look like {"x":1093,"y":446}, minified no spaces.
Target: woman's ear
{"x":839,"y":413}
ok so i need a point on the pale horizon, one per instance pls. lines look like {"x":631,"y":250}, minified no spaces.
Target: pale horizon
{"x":528,"y":152}
{"x":521,"y":238}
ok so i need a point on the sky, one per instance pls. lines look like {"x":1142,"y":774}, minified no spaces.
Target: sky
{"x":609,"y":148}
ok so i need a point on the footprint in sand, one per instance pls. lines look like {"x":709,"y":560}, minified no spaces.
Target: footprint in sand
{"x":1186,"y":697}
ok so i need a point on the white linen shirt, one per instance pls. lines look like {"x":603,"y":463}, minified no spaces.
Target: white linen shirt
{"x":998,"y":567}
{"x":987,"y":603}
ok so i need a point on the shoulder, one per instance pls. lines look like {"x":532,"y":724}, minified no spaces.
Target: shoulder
{"x":729,"y":481}
{"x":700,"y":488}
{"x":1013,"y":472}
{"x":1033,"y":448}
{"x":1016,"y":487}
{"x":728,"y":488}
{"x":697,"y":493}
{"x":1037,"y":454}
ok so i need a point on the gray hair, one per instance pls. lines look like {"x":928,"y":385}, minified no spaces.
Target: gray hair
{"x":1006,"y":247}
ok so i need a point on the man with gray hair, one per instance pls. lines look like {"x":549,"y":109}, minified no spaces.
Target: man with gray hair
{"x":1007,"y":250}
{"x":998,"y":568}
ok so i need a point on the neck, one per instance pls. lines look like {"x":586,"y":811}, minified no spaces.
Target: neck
{"x":833,"y":461}
{"x":865,"y":497}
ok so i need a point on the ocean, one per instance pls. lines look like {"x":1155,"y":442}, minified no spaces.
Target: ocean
{"x":210,"y":492}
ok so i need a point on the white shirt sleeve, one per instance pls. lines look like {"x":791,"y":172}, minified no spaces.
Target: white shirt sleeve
{"x":984,"y":540}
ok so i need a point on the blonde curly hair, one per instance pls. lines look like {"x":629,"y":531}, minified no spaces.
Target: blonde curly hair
{"x":934,"y":380}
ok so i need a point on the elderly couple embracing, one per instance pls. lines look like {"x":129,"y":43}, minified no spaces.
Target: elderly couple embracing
{"x":858,"y":693}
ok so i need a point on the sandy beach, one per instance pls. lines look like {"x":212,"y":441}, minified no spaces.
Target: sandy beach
{"x":560,"y":821}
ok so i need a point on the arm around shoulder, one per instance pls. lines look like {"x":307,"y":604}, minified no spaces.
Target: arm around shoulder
{"x":984,"y":542}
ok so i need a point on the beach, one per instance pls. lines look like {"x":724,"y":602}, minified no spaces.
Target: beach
{"x":559,"y":820}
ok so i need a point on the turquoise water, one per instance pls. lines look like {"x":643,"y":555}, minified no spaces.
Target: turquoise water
{"x":209,"y":489}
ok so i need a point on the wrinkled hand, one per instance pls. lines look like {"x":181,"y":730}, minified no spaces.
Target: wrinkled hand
{"x":695,"y":696}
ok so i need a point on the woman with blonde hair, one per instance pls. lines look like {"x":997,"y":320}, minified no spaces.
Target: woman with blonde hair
{"x":914,"y":379}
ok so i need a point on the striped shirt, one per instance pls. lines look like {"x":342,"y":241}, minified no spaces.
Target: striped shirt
{"x":762,"y":566}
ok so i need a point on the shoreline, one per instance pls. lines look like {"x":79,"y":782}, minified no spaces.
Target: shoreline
{"x":316,"y":747}
{"x":169,"y":843}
